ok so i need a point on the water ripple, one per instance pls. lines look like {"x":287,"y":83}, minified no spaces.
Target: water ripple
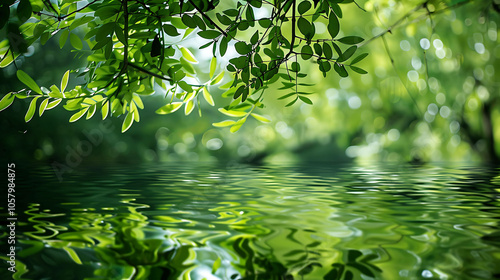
{"x":270,"y":222}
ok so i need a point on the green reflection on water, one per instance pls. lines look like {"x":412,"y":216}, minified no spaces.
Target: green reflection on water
{"x":274,"y":222}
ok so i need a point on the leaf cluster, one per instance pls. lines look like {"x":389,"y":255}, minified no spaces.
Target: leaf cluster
{"x":136,"y":48}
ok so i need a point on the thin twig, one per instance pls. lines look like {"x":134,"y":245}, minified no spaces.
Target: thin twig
{"x":399,"y":21}
{"x":397,"y":73}
{"x":292,"y":42}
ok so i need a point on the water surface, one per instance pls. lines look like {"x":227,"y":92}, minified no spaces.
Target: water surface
{"x":196,"y":221}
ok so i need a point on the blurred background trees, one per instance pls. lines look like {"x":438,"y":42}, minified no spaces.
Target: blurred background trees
{"x":431,"y":94}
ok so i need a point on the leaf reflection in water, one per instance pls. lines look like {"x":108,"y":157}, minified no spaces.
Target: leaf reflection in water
{"x":270,"y":222}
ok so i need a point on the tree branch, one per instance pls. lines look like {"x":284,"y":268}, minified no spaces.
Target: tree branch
{"x":82,"y":8}
{"x":399,"y":21}
{"x":156,"y":75}
{"x":149,"y":72}
{"x":292,"y":42}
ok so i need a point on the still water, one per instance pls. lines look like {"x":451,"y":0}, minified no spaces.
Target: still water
{"x":267,"y":222}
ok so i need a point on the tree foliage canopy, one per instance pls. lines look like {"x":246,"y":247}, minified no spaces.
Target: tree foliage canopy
{"x":432,"y":91}
{"x":135,"y":48}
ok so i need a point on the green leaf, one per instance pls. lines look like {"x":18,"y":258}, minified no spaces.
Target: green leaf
{"x":255,"y":38}
{"x":306,"y":52}
{"x":63,"y":38}
{"x":64,"y":81}
{"x":292,"y":102}
{"x":287,"y":95}
{"x":287,"y":85}
{"x":223,"y":46}
{"x":80,"y":21}
{"x":225,"y":20}
{"x":337,"y":49}
{"x":239,"y":92}
{"x":363,"y":269}
{"x":105,"y":110}
{"x":24,"y":10}
{"x":213,"y":66}
{"x":188,"y":55}
{"x":324,"y":66}
{"x":305,"y":28}
{"x":218,"y":78}
{"x":224,"y":123}
{"x":232,"y":113}
{"x":156,"y":47}
{"x":104,"y":31}
{"x":327,"y":50}
{"x":250,"y":17}
{"x":242,"y":48}
{"x":6,"y":101}
{"x":188,"y":31}
{"x":31,"y":110}
{"x":188,"y":108}
{"x":207,"y":45}
{"x":260,"y":118}
{"x":332,"y":274}
{"x":8,"y":58}
{"x":43,"y":106}
{"x":91,"y":111}
{"x":347,"y":54}
{"x":305,"y":100}
{"x":208,"y":97}
{"x":199,"y":22}
{"x":336,"y":9}
{"x":216,"y":265}
{"x":240,"y":62}
{"x":348,"y":275}
{"x":340,"y":69}
{"x":265,"y":23}
{"x":231,"y":12}
{"x":359,"y":58}
{"x":358,"y":70}
{"x":135,"y":111}
{"x":45,"y":37}
{"x":209,"y":34}
{"x":170,"y":30}
{"x":53,"y":104}
{"x":105,"y":11}
{"x":295,"y":67}
{"x":304,"y":6}
{"x":75,"y":41}
{"x":351,"y":40}
{"x":187,"y":66}
{"x":78,"y":114}
{"x":138,"y":101}
{"x":28,"y":81}
{"x":177,"y":22}
{"x":317,"y":49}
{"x":333,"y":25}
{"x":237,"y":125}
{"x":188,"y":21}
{"x":185,"y":86}
{"x":169,"y":108}
{"x":127,"y":122}
{"x":119,"y":34}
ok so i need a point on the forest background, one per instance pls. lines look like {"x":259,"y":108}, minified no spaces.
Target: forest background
{"x":430,"y":94}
